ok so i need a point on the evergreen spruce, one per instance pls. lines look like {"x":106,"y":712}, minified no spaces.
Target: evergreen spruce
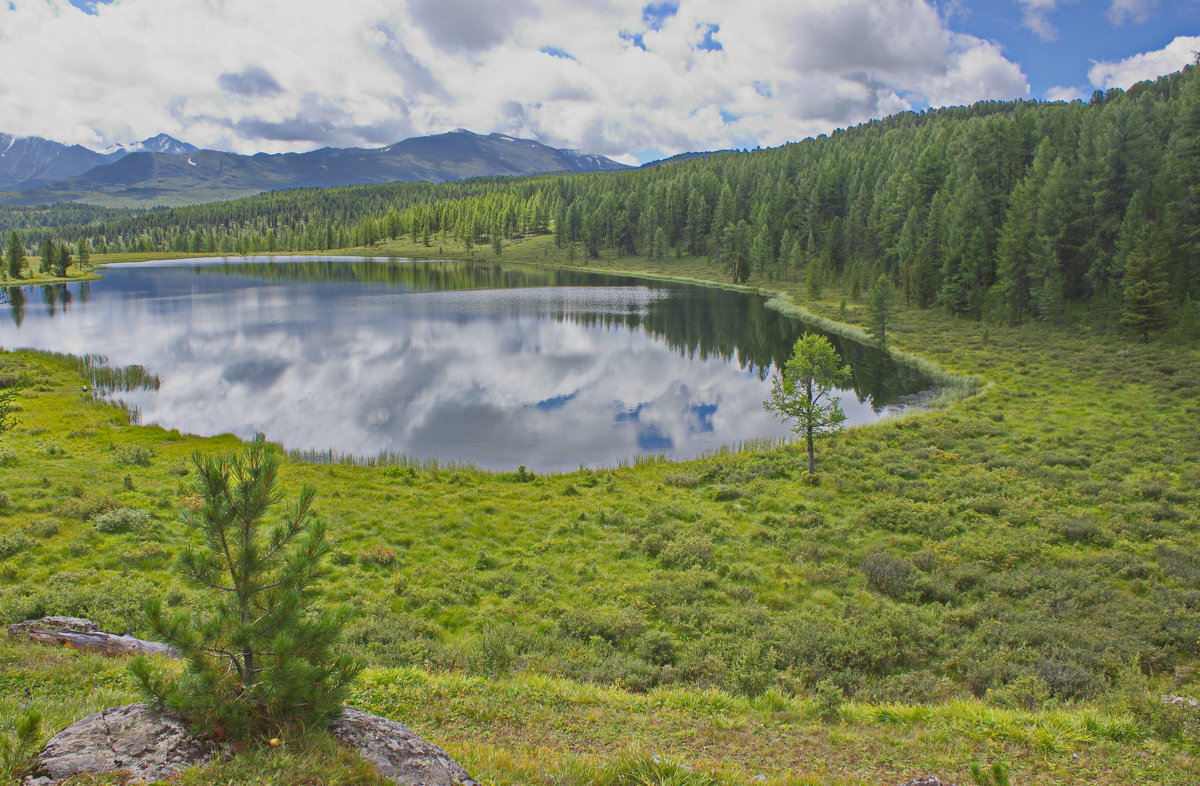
{"x":879,"y":308}
{"x":16,"y":255}
{"x":46,"y":257}
{"x":262,"y":657}
{"x":1147,"y":296}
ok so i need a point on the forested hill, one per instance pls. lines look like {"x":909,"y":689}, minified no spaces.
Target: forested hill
{"x":1006,"y":209}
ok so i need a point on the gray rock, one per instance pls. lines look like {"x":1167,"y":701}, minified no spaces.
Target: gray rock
{"x":134,"y":738}
{"x":929,"y":781}
{"x":399,"y":754}
{"x":152,"y":746}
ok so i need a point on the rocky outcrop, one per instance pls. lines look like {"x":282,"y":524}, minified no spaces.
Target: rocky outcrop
{"x":930,"y":781}
{"x":133,"y":738}
{"x":398,"y":753}
{"x":151,"y":746}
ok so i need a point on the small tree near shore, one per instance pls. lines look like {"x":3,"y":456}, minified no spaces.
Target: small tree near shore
{"x":879,"y":306}
{"x":262,"y":659}
{"x":804,"y":392}
{"x":16,"y":255}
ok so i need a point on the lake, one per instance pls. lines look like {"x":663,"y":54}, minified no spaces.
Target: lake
{"x":492,"y":364}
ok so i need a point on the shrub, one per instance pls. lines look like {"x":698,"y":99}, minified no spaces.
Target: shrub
{"x":122,"y":520}
{"x":1028,"y":692}
{"x":902,"y":515}
{"x":491,"y":652}
{"x":612,"y":625}
{"x":84,"y":507}
{"x":696,"y":550}
{"x":384,"y":556}
{"x":829,"y":699}
{"x":887,"y":574}
{"x":1065,"y":680}
{"x":133,"y":455}
{"x":12,"y":544}
{"x":43,"y":528}
{"x":658,"y":647}
{"x":1080,"y":530}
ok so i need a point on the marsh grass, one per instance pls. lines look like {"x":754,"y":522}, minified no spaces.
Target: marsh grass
{"x":1045,"y":532}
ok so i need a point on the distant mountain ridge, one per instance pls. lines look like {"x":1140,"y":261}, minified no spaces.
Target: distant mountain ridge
{"x":30,"y":161}
{"x":27,"y":162}
{"x":161,"y":143}
{"x":163,"y":169}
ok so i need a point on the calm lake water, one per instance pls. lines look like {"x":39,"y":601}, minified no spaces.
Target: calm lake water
{"x":492,"y":364}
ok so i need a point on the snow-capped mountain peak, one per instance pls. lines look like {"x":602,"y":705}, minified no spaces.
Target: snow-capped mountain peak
{"x":161,"y":143}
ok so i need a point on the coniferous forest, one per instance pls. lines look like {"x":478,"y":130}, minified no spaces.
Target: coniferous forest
{"x":1009,"y":210}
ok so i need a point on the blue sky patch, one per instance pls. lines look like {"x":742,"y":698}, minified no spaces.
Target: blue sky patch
{"x":728,"y":117}
{"x":648,"y":154}
{"x":555,"y":51}
{"x":704,"y":415}
{"x":557,"y":402}
{"x":709,"y":43}
{"x":633,"y":38}
{"x":763,"y":89}
{"x":1074,"y":35}
{"x":651,"y":440}
{"x":87,"y":6}
{"x":655,"y":14}
{"x":630,"y":415}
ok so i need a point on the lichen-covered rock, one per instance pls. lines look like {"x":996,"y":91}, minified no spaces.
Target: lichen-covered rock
{"x":397,"y":753}
{"x":151,"y":746}
{"x":929,"y":781}
{"x":134,"y":738}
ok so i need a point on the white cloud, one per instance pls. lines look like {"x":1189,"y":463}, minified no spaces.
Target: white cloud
{"x":1148,"y":65}
{"x":1035,"y":16}
{"x":1135,"y":11}
{"x":280,"y":75}
{"x":1059,"y":93}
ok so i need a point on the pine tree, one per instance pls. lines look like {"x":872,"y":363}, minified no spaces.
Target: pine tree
{"x":62,"y":260}
{"x":1147,"y":296}
{"x":261,"y":658}
{"x":46,"y":257}
{"x":879,"y":307}
{"x":16,"y":255}
{"x":734,"y":251}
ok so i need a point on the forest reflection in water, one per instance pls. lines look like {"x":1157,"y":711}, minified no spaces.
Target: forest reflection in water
{"x":480,"y":362}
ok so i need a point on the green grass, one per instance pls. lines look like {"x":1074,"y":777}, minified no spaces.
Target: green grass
{"x":531,"y":729}
{"x":1012,"y":575}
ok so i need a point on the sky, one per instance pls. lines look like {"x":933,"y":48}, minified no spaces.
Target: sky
{"x":622,"y":78}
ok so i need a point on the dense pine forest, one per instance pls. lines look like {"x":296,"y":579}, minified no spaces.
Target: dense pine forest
{"x":1010,"y":210}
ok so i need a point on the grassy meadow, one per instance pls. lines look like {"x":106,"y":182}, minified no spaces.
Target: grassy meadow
{"x":1013,"y":576}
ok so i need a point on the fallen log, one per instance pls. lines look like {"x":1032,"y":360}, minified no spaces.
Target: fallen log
{"x":82,"y":634}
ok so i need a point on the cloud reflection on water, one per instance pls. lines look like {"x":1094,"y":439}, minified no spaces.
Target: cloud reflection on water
{"x":494,"y":377}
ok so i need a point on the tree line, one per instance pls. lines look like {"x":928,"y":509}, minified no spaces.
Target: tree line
{"x":1010,"y":210}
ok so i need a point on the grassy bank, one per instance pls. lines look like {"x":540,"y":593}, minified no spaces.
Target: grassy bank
{"x":513,"y":731}
{"x":978,"y":581}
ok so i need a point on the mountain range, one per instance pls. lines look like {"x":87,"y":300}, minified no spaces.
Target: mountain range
{"x":162,"y":170}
